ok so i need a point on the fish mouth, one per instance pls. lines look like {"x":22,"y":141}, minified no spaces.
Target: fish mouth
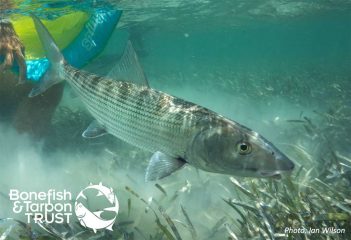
{"x":281,"y":165}
{"x":274,"y":174}
{"x":269,"y":173}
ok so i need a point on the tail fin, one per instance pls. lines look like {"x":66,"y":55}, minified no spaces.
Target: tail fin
{"x":56,"y":59}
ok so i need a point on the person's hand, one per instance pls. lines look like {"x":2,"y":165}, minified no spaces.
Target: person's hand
{"x":12,"y":49}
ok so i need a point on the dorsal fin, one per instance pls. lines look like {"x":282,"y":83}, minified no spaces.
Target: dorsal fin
{"x":128,"y":68}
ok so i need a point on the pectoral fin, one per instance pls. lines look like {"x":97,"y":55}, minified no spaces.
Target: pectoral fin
{"x":94,"y":130}
{"x":161,"y":166}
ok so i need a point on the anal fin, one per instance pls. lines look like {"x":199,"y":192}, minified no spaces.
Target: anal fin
{"x":110,"y":227}
{"x":162,"y":165}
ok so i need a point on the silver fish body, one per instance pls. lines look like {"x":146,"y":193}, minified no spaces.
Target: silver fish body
{"x":139,"y":115}
{"x":176,"y":131}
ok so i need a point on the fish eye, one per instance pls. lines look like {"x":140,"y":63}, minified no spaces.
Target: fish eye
{"x":244,"y":148}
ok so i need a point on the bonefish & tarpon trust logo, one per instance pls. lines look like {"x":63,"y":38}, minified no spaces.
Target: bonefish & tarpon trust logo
{"x":94,"y":219}
{"x":51,"y":206}
{"x":56,"y":206}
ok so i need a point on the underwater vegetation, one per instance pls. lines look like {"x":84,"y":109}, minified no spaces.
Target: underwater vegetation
{"x":313,"y":203}
{"x":316,"y":197}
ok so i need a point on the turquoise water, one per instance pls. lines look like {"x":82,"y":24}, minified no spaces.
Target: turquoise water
{"x":281,"y":68}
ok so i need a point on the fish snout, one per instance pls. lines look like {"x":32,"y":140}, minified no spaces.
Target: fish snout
{"x":283,"y":163}
{"x":280,"y":164}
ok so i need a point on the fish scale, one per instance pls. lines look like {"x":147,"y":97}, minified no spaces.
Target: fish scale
{"x":137,"y":124}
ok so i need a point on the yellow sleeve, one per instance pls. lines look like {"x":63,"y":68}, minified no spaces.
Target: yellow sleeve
{"x":63,"y":29}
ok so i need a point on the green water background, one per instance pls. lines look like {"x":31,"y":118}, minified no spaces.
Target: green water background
{"x":258,"y":70}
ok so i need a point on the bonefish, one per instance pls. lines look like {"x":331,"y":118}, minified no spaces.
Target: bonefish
{"x":174,"y":130}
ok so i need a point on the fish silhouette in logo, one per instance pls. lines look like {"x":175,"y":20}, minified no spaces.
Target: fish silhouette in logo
{"x":93,"y":219}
